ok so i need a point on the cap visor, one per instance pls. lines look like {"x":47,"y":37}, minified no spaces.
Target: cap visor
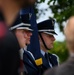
{"x":51,"y":32}
{"x":25,"y":28}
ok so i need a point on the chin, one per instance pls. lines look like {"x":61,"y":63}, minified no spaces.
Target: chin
{"x":51,"y":47}
{"x":28,"y":43}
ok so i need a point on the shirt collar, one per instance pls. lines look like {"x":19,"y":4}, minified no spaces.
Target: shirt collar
{"x":25,"y":48}
{"x":42,"y":52}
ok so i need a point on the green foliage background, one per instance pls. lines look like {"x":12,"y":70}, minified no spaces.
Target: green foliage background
{"x":60,"y":50}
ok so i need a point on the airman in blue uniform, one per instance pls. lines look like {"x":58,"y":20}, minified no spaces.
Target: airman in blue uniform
{"x":46,"y":38}
{"x":23,"y":31}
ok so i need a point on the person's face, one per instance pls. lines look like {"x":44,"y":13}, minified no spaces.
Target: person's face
{"x":27,"y":36}
{"x":1,"y":2}
{"x":20,"y":2}
{"x":20,"y":36}
{"x":48,"y":39}
{"x":23,"y":37}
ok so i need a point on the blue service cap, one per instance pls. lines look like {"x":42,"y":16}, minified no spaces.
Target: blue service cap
{"x":47,"y":26}
{"x":22,"y":22}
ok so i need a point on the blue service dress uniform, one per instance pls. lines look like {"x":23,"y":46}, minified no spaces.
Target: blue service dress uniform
{"x":50,"y":62}
{"x":47,"y":27}
{"x":29,"y":63}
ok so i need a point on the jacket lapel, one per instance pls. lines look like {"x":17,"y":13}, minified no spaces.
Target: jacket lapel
{"x":52,"y":59}
{"x":45,"y":62}
{"x":27,"y":58}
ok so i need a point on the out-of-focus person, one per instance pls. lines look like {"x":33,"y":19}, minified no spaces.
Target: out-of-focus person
{"x":9,"y":48}
{"x":9,"y":55}
{"x":11,"y":8}
{"x":67,"y":68}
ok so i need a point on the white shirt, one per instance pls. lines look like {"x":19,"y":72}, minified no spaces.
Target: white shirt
{"x":43,"y":53}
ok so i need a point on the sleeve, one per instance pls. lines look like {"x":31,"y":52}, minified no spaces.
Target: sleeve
{"x":31,"y":55}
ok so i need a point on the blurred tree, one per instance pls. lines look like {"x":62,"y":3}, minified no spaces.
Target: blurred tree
{"x":60,"y":50}
{"x":62,"y":10}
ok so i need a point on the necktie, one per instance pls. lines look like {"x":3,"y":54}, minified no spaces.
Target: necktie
{"x":48,"y":59}
{"x":30,"y":57}
{"x":46,"y":56}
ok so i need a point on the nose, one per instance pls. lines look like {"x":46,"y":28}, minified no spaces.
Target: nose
{"x":30,"y":34}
